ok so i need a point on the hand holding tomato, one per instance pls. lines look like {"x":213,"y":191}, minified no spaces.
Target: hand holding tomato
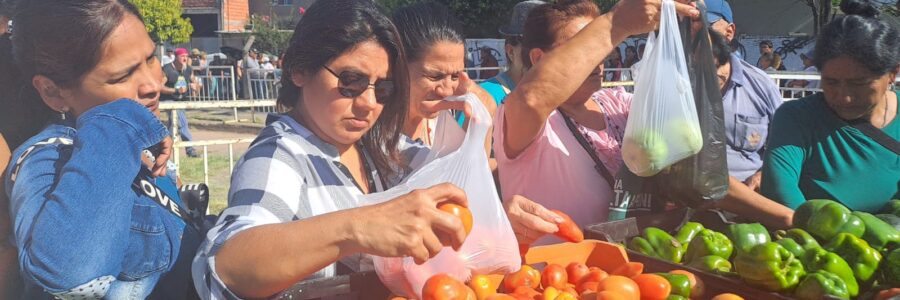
{"x":410,"y":225}
{"x":529,"y":220}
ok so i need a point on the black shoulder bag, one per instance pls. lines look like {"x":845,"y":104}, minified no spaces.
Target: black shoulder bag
{"x":876,"y":134}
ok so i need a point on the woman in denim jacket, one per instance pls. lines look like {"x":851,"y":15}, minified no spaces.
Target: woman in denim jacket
{"x":83,"y":222}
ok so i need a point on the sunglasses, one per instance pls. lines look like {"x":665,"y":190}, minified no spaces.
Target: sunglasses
{"x":352,"y":84}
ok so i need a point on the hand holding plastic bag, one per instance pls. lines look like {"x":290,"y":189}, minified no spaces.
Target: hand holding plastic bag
{"x":457,"y":157}
{"x":663,"y":127}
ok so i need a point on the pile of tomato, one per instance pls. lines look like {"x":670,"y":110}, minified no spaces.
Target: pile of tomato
{"x":575,"y":281}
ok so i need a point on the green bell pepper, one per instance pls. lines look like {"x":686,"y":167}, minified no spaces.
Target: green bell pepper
{"x":708,"y":242}
{"x":825,"y":218}
{"x":657,"y":243}
{"x":862,"y":258}
{"x":769,"y":266}
{"x":681,"y":284}
{"x":878,"y":233}
{"x":676,"y":297}
{"x":687,"y":233}
{"x":818,"y":284}
{"x":892,"y":207}
{"x":746,"y":236}
{"x":819,"y":259}
{"x":891,"y":268}
{"x":792,"y":246}
{"x":803,"y":238}
{"x":711,"y":263}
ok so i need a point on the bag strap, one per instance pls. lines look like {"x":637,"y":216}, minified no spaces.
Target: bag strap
{"x":144,"y":182}
{"x":598,"y":165}
{"x":876,"y":134}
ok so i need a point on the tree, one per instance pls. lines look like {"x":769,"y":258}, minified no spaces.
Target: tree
{"x":822,"y":11}
{"x":164,"y":22}
{"x":269,"y":38}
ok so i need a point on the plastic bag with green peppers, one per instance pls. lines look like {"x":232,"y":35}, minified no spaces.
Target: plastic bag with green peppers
{"x":826,"y":218}
{"x":746,"y":236}
{"x":655,"y":242}
{"x":862,"y":258}
{"x":818,"y":284}
{"x":819,"y":259}
{"x":708,"y":242}
{"x":769,"y":266}
{"x":711,"y":263}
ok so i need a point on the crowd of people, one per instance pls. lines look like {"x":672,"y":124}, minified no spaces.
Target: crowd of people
{"x":94,"y":209}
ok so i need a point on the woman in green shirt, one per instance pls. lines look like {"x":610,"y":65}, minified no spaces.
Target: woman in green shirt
{"x":814,"y":152}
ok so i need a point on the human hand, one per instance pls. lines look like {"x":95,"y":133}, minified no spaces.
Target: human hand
{"x":530,"y":221}
{"x":633,"y":17}
{"x":411,"y":225}
{"x":754,"y":181}
{"x":159,"y":166}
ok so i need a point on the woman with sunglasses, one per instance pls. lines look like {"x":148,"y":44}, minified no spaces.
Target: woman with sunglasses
{"x":84,"y":223}
{"x":291,"y":212}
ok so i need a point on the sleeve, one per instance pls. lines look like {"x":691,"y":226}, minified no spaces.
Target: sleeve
{"x":70,"y":219}
{"x":785,"y":157}
{"x":266,"y":188}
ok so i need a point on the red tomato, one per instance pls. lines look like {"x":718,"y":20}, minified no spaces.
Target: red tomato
{"x":554,"y":275}
{"x":568,"y":230}
{"x":444,"y":287}
{"x":588,"y":286}
{"x":525,"y":292}
{"x":629,"y":269}
{"x":610,"y":295}
{"x":653,"y":287}
{"x":463,"y":213}
{"x":575,"y":271}
{"x":596,"y":275}
{"x":500,"y":297}
{"x":621,"y":285}
{"x":727,"y":296}
{"x":526,"y":276}
{"x":481,"y":285}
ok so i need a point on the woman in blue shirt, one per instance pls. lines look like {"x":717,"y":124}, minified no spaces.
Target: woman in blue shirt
{"x":81,"y":192}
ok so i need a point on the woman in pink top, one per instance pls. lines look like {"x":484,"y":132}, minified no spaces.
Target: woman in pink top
{"x":537,"y":130}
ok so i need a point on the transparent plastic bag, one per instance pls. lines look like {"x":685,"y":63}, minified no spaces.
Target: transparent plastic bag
{"x":457,"y":157}
{"x":662,"y":127}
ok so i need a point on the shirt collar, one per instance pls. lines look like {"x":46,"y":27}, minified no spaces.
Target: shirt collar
{"x":308,"y":135}
{"x":737,"y":71}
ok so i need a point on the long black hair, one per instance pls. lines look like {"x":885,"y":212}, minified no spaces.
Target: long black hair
{"x":859,"y":34}
{"x":424,"y":24}
{"x":328,"y":29}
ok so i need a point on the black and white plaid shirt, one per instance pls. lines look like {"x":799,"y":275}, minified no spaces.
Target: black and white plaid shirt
{"x":287,"y":174}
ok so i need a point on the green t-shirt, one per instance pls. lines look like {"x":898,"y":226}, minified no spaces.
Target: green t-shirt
{"x":813,"y":154}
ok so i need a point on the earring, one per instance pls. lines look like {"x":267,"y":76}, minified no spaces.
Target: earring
{"x":62,"y":113}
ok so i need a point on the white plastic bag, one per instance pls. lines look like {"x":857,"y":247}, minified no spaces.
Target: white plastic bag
{"x":457,"y":157}
{"x":662,"y":127}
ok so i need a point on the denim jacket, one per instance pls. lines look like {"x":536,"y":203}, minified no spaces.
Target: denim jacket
{"x":81,"y":228}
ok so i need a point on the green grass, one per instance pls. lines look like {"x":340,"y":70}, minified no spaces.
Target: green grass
{"x":219,"y":177}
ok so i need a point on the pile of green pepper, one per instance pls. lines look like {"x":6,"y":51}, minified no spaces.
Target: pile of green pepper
{"x":831,"y":251}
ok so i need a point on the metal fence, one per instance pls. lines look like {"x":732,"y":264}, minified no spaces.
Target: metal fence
{"x":220,"y":90}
